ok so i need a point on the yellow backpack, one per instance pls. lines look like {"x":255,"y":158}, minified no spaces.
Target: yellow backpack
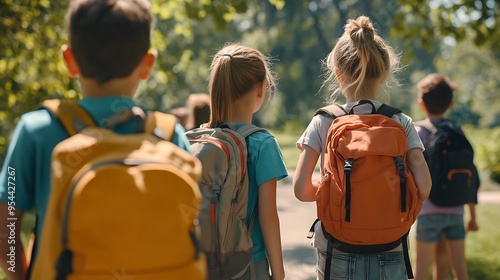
{"x":121,"y":206}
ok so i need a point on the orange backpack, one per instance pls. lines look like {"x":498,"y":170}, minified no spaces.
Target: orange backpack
{"x":120,"y":206}
{"x":367,"y":200}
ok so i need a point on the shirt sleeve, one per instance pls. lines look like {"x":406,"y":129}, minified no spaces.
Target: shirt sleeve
{"x":315,"y":133}
{"x":180,"y":139}
{"x":270,"y":163}
{"x":411,"y":133}
{"x":16,"y":178}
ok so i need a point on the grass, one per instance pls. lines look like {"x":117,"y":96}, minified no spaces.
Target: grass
{"x":481,"y":247}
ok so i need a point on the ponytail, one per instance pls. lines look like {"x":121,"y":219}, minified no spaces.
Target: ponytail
{"x":234,"y":71}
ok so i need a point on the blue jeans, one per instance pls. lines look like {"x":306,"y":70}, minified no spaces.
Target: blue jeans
{"x":389,"y":265}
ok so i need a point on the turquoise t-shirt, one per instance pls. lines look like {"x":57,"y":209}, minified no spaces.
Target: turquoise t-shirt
{"x":264,"y":162}
{"x":36,"y":135}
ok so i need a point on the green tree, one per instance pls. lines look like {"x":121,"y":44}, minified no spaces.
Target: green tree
{"x":31,"y":67}
{"x":298,"y":36}
{"x":421,"y":21}
{"x":476,"y":72}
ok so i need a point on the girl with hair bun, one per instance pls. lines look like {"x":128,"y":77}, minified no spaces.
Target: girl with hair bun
{"x":357,"y":68}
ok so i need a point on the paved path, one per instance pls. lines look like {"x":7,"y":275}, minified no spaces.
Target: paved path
{"x":296,"y":218}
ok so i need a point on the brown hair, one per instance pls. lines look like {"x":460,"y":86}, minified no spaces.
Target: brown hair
{"x":109,"y":38}
{"x":199,"y":109}
{"x":360,"y":59}
{"x":235,"y":70}
{"x":436,"y":91}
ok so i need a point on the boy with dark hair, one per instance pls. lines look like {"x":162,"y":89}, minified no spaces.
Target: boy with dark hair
{"x":110,"y":53}
{"x":440,"y":223}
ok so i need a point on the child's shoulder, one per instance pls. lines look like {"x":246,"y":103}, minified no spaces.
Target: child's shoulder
{"x":261,"y":135}
{"x":37,"y":120}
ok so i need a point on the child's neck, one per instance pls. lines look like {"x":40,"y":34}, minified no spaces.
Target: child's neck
{"x":351,"y":97}
{"x":119,"y":87}
{"x":243,"y":109}
{"x":435,"y":116}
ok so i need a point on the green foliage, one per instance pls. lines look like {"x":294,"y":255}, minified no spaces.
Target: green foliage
{"x":421,"y":21}
{"x":297,"y":36}
{"x":462,"y":114}
{"x":490,"y":153}
{"x":475,"y":71}
{"x":32,"y":32}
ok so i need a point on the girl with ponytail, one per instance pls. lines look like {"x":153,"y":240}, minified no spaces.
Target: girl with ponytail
{"x":241,"y":82}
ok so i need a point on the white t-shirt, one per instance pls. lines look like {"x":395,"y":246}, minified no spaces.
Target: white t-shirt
{"x":315,"y":137}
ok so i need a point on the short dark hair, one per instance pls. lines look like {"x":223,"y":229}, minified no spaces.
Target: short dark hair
{"x":109,"y":38}
{"x":436,"y":91}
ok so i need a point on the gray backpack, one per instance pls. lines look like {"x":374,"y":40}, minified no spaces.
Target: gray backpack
{"x":225,"y":232}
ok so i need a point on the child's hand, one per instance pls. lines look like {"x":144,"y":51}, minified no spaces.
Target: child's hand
{"x":472,"y":225}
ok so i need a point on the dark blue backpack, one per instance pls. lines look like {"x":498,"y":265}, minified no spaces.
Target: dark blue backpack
{"x":450,"y":156}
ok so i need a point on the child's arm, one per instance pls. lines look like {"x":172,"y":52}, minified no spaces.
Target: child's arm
{"x":305,"y":189}
{"x":418,"y":167}
{"x":270,"y":224}
{"x":14,"y":267}
{"x":472,"y":224}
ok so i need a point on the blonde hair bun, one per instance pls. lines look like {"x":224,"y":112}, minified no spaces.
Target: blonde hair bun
{"x":360,"y":30}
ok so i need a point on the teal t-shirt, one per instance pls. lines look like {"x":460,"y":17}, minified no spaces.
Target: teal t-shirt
{"x":264,"y":162}
{"x":30,"y":150}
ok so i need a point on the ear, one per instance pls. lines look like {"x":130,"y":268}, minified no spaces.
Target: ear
{"x":69,"y":60}
{"x":262,"y":89}
{"x":422,"y":105}
{"x":146,"y":65}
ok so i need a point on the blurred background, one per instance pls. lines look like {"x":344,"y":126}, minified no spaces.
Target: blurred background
{"x":459,"y":38}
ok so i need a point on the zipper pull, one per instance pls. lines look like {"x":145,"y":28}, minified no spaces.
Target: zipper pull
{"x":215,"y":199}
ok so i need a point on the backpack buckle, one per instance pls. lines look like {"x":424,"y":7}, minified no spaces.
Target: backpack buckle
{"x":215,"y":196}
{"x":348,"y":166}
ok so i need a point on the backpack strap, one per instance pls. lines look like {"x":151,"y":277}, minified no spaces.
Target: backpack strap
{"x":248,"y":129}
{"x":333,"y":111}
{"x":160,"y":124}
{"x":387,"y":110}
{"x":74,"y":118}
{"x":406,"y":256}
{"x":428,"y":125}
{"x":71,"y":115}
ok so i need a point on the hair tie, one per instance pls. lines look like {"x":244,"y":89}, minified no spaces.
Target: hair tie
{"x":226,"y":54}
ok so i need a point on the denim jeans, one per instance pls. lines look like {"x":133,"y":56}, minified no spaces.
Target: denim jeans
{"x":383,"y":266}
{"x":431,"y":227}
